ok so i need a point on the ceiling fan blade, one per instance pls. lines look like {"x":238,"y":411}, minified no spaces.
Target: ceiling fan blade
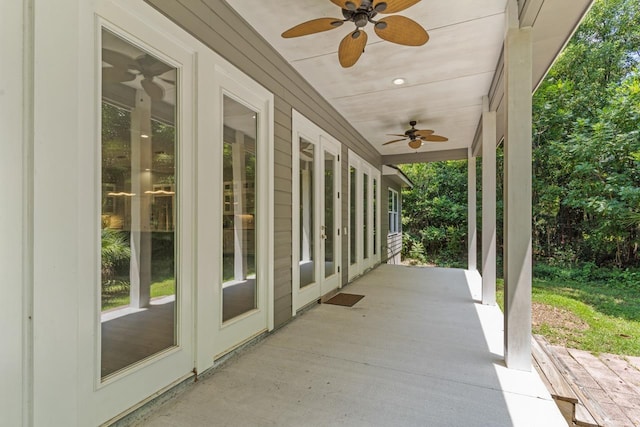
{"x":158,"y":67}
{"x":153,"y":89}
{"x":397,"y":134}
{"x":395,"y":140}
{"x":435,"y":138}
{"x":311,"y":27}
{"x":401,"y":30}
{"x":351,"y":47}
{"x":116,"y":75}
{"x":392,"y":6}
{"x":169,"y":81}
{"x":347,"y":4}
{"x":415,"y":144}
{"x":423,"y":132}
{"x":118,"y":59}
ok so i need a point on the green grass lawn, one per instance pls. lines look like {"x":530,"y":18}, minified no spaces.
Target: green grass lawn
{"x":117,"y":293}
{"x":601,"y":311}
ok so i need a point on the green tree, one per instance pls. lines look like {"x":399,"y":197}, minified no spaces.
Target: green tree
{"x":434,"y":212}
{"x":584,"y":137}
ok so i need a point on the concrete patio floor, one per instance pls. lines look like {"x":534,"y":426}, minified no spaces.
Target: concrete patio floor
{"x":417,"y":350}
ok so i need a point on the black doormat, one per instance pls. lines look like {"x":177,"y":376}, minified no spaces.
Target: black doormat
{"x":347,"y":300}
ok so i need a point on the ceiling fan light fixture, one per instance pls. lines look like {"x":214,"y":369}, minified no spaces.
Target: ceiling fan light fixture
{"x":350,"y":5}
{"x":360,"y":19}
{"x":380,"y":7}
{"x":415,"y":144}
{"x":399,"y":81}
{"x":380,"y":25}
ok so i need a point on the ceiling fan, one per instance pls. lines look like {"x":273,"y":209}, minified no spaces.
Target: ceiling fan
{"x":417,"y":137}
{"x":397,"y":29}
{"x":145,"y":65}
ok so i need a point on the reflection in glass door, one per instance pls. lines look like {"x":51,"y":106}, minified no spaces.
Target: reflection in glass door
{"x":365,"y":216}
{"x":375,"y":217}
{"x":353,"y":220}
{"x":138,"y":215}
{"x":307,"y":224}
{"x":235,"y":246}
{"x":239,"y":210}
{"x":328,"y":229}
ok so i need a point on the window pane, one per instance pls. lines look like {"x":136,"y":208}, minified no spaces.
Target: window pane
{"x":393,"y":212}
{"x":329,"y":194}
{"x":353,"y":256}
{"x":365,"y":216}
{"x":375,"y":216}
{"x":239,"y":210}
{"x":138,"y":215}
{"x":307,"y":229}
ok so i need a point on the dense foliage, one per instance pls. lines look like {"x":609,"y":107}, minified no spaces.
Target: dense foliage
{"x":586,"y":156}
{"x":586,"y":139}
{"x":434,"y":213}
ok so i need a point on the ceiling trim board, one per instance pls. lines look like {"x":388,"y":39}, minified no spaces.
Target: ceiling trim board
{"x":426,"y":156}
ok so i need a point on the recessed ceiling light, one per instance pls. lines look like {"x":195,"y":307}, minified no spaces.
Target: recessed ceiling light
{"x":399,"y":81}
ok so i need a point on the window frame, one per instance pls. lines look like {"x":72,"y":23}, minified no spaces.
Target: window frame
{"x":394,"y":212}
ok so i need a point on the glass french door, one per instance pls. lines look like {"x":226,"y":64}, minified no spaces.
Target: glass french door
{"x":316,"y":213}
{"x":236,"y":223}
{"x":174,"y":238}
{"x":364,"y":216}
{"x":330,"y":217}
{"x":135,"y":318}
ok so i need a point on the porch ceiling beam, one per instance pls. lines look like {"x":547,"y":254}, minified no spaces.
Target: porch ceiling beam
{"x":529,"y":11}
{"x":425,"y":156}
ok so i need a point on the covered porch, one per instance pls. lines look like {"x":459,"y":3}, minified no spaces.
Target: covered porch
{"x":419,"y":349}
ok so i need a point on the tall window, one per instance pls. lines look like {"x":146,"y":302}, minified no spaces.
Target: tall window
{"x":365,"y":216}
{"x":375,"y":216}
{"x":239,"y":213}
{"x":353,"y":255}
{"x":138,"y":215}
{"x":307,"y":225}
{"x":394,"y":214}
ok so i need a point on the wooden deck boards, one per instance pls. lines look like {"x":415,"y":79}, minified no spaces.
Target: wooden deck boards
{"x":608,"y":386}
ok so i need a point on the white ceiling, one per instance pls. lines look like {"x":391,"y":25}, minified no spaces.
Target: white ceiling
{"x":446,"y":78}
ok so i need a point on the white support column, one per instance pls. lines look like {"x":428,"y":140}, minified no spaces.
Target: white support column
{"x":488,"y":204}
{"x":239,"y":181}
{"x":140,"y":264}
{"x":472,"y":226}
{"x":517,"y":194}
